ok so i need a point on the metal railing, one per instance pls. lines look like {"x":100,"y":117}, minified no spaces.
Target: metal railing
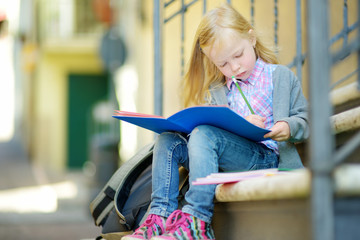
{"x":321,"y":141}
{"x":323,"y":155}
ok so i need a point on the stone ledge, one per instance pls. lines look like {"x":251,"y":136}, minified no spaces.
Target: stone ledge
{"x":346,"y":121}
{"x":345,"y":94}
{"x":296,"y":184}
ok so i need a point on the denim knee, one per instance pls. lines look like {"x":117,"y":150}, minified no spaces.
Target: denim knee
{"x":166,"y":138}
{"x":203,"y":134}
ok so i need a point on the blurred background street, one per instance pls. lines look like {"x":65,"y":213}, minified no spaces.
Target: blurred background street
{"x":59,"y":75}
{"x":37,"y":205}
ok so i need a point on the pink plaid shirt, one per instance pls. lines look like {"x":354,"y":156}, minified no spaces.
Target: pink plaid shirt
{"x":257,"y":88}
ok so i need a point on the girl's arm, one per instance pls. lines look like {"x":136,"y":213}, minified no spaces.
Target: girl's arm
{"x":298,"y":114}
{"x":290,"y":106}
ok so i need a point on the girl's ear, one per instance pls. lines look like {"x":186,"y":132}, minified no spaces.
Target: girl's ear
{"x":252,"y":36}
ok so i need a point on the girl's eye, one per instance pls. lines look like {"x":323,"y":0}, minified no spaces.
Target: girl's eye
{"x":239,"y":55}
{"x":223,"y":65}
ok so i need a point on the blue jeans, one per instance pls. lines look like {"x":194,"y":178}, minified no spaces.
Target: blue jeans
{"x":207,"y":150}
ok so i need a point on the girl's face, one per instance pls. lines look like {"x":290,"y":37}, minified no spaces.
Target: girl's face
{"x":233,"y":54}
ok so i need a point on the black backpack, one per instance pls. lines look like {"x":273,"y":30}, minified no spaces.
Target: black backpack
{"x":122,"y":204}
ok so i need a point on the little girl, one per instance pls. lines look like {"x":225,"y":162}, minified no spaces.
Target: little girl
{"x":225,"y":45}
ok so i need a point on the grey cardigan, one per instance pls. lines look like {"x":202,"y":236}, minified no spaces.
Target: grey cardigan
{"x":289,"y":104}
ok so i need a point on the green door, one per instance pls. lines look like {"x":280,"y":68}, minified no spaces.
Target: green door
{"x":83,"y":92}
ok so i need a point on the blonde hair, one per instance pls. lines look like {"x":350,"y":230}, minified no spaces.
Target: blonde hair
{"x":201,"y":71}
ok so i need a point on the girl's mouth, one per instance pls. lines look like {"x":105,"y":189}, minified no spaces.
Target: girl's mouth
{"x":240,"y":76}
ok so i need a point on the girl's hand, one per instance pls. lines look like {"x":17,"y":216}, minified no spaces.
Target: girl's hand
{"x":279,"y":132}
{"x":256,"y":120}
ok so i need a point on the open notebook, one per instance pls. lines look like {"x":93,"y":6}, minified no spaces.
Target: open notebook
{"x":189,"y":118}
{"x":231,"y":177}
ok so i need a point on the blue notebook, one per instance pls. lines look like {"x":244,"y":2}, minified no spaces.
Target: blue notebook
{"x":187,"y":119}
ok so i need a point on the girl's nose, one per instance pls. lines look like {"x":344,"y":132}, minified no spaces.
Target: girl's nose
{"x":235,"y":67}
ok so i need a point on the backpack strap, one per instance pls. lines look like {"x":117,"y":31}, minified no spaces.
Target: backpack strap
{"x":103,"y":203}
{"x":106,"y":201}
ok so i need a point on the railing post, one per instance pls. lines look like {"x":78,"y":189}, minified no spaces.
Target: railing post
{"x":321,"y":140}
{"x":298,"y":56}
{"x":358,"y":36}
{"x":158,"y":57}
{"x":182,"y":48}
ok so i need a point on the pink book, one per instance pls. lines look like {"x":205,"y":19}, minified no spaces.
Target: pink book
{"x":218,"y":178}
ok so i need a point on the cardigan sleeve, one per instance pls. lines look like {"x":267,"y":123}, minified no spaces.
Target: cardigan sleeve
{"x":289,"y":103}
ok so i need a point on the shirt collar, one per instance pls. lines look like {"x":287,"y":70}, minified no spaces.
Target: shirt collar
{"x":258,"y":68}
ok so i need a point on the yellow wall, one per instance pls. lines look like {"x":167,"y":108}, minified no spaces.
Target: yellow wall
{"x":349,"y":64}
{"x":50,"y":117}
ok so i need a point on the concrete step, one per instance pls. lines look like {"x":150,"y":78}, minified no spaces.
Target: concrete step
{"x":278,"y":206}
{"x":281,"y":219}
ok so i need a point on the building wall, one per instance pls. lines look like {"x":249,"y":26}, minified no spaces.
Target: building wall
{"x":55,"y":63}
{"x":134,"y":80}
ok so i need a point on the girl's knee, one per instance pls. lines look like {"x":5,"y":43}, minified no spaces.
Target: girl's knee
{"x":165,"y":137}
{"x":202,"y":131}
{"x":169,"y":138}
{"x":202,"y":134}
